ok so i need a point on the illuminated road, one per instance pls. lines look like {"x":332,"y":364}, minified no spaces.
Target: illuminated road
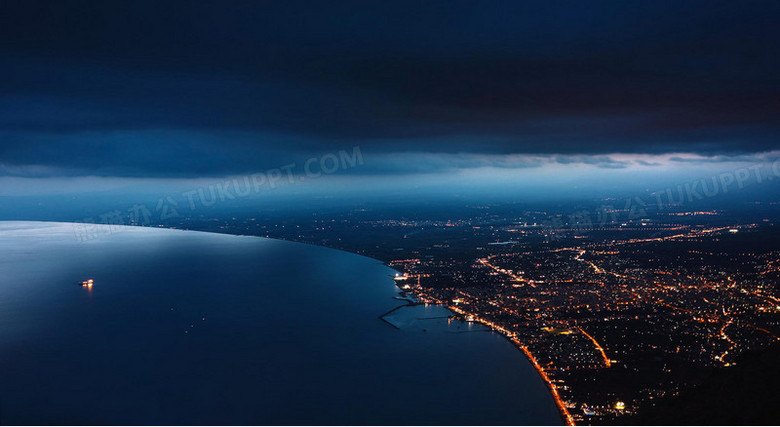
{"x":731,"y":342}
{"x":515,"y":277}
{"x":607,"y":362}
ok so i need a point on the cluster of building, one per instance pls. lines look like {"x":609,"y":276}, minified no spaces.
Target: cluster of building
{"x":613,"y":324}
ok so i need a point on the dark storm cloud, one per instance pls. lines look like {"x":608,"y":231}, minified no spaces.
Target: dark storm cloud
{"x":253,"y":84}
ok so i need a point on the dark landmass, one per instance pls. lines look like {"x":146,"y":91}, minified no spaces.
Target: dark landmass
{"x":745,"y":394}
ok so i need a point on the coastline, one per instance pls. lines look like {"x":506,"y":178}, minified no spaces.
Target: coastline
{"x":563,"y":411}
{"x":413,"y":297}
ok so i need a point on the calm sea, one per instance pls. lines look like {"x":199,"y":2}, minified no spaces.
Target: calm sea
{"x":197,"y":328}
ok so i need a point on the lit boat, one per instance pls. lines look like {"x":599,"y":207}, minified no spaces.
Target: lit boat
{"x":87,"y":283}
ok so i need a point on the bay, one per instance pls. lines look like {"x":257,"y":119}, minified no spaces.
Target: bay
{"x":184,"y":327}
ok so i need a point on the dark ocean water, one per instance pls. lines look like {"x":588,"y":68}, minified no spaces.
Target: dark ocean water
{"x":198,"y":328}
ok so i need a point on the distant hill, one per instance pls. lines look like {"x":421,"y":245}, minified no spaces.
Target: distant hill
{"x":745,"y":394}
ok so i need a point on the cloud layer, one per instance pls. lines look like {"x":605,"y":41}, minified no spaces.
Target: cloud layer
{"x":150,"y":89}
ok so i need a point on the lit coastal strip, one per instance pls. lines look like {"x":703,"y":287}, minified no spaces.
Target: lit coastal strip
{"x":512,"y":337}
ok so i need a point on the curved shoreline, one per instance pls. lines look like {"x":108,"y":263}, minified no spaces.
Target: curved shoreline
{"x":563,"y":411}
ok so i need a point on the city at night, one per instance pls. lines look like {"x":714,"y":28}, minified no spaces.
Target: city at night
{"x":406,"y":213}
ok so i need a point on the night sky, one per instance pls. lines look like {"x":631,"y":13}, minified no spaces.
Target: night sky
{"x":192,"y":89}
